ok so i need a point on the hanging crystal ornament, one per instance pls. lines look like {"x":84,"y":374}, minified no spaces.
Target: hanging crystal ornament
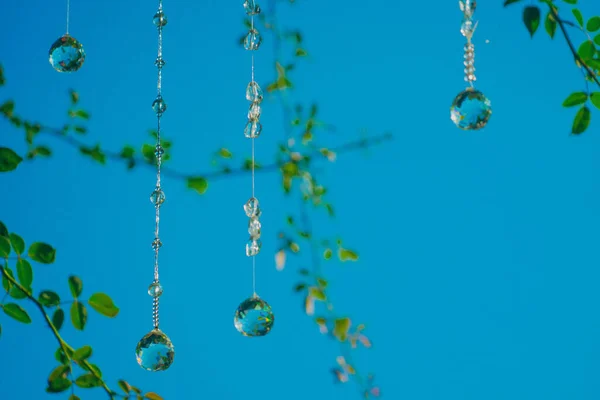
{"x":470,"y":110}
{"x":155,"y":351}
{"x":254,"y":316}
{"x":66,"y":53}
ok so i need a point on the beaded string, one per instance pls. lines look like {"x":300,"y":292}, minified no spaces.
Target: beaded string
{"x":467,"y":30}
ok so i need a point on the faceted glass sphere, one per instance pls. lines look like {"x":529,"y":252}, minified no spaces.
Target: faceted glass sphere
{"x":251,"y":7}
{"x":254,"y":93}
{"x":155,"y":289}
{"x":254,"y":317}
{"x":471,"y":110}
{"x":66,"y":54}
{"x":252,"y":40}
{"x":157,"y":197}
{"x":160,"y":19}
{"x":252,"y":129}
{"x":159,"y":106}
{"x":155,"y":351}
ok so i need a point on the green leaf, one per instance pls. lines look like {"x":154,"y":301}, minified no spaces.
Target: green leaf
{"x":76,"y":286}
{"x":74,"y":97}
{"x":509,"y":2}
{"x":198,"y":184}
{"x":58,"y":385}
{"x":49,"y":298}
{"x":95,"y":153}
{"x":42,"y":253}
{"x":82,"y":130}
{"x":148,"y":153}
{"x":595,"y":98}
{"x":18,"y":244}
{"x":3,"y":230}
{"x":17,"y":293}
{"x":74,"y":397}
{"x":25,"y":273}
{"x":347,"y":255}
{"x":58,"y":318}
{"x":82,"y":354}
{"x":578,"y":16}
{"x":575,"y":99}
{"x":570,"y":1}
{"x":225,"y":153}
{"x":550,"y":25}
{"x":587,"y":50}
{"x":6,"y":284}
{"x":593,"y":24}
{"x":299,"y":287}
{"x":301,"y":52}
{"x":2,"y":80}
{"x":79,"y":114}
{"x":582,"y":121}
{"x":317,"y":293}
{"x":93,"y":368}
{"x":341,"y":327}
{"x":597,"y":39}
{"x":59,"y":372}
{"x":327,"y":254}
{"x":60,"y":356}
{"x":126,"y":387}
{"x":4,"y":247}
{"x":88,"y":381}
{"x":9,"y":160}
{"x":152,"y":396}
{"x":8,"y":108}
{"x":78,"y":315}
{"x":531,"y":18}
{"x":17,"y":312}
{"x":103,"y":304}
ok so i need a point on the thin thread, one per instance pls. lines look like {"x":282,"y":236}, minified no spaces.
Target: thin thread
{"x":68,"y":13}
{"x":253,"y":181}
{"x":254,"y":275}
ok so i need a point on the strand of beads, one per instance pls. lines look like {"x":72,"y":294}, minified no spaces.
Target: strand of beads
{"x":254,"y":316}
{"x":155,"y":351}
{"x":470,"y":110}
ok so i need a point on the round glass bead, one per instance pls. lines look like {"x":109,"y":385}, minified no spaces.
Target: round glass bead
{"x":253,"y":247}
{"x":156,"y":244}
{"x":155,"y":289}
{"x":254,"y":93}
{"x":254,"y":317}
{"x":254,"y":112}
{"x":159,"y":106}
{"x":252,"y":208}
{"x":159,"y":151}
{"x":254,"y":227}
{"x":251,"y":7}
{"x":470,"y":110}
{"x":253,"y":129}
{"x":157,"y":197}
{"x":160,"y":19}
{"x":155,"y":351}
{"x":253,"y":40}
{"x":467,"y":28}
{"x":66,"y":54}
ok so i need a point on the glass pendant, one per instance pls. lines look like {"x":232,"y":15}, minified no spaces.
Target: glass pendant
{"x":254,"y":317}
{"x":66,"y":54}
{"x":155,"y":351}
{"x":471,"y":110}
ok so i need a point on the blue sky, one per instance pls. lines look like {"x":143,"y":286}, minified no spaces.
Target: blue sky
{"x":478,"y":265}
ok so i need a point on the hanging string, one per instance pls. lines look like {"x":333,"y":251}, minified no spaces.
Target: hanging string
{"x":68,"y":14}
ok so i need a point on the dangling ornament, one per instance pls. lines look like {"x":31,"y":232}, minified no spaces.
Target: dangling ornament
{"x":155,"y":352}
{"x":254,"y":316}
{"x":66,"y":53}
{"x":470,"y":110}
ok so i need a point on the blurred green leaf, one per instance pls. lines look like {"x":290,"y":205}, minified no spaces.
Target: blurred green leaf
{"x":531,"y":18}
{"x":597,"y":39}
{"x":58,"y":385}
{"x":74,"y":97}
{"x":198,"y":184}
{"x":582,"y":121}
{"x":79,"y":114}
{"x":2,"y":80}
{"x":347,"y":255}
{"x":9,"y":160}
{"x":59,"y":372}
{"x":575,"y":99}
{"x":82,"y":354}
{"x":550,"y":25}
{"x":225,"y":153}
{"x":299,"y":287}
{"x":82,"y":130}
{"x":74,"y":397}
{"x":301,"y":52}
{"x":42,"y":253}
{"x":327,"y":254}
{"x":75,"y":285}
{"x":341,"y":327}
{"x":593,"y":24}
{"x":58,"y":318}
{"x":587,"y":50}
{"x":24,"y":273}
{"x":78,"y":315}
{"x":578,"y":16}
{"x":17,"y":293}
{"x":16,"y":312}
{"x":95,"y":153}
{"x":508,"y":2}
{"x":18,"y":244}
{"x":49,"y":298}
{"x":125,"y":387}
{"x":7,"y":108}
{"x":103,"y":304}
{"x":88,"y":381}
{"x":3,"y":230}
{"x":152,"y":396}
{"x":317,"y":293}
{"x":60,"y":356}
{"x":595,"y":98}
{"x":4,"y":246}
{"x":6,"y":284}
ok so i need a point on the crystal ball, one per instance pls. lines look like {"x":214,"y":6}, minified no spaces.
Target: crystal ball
{"x":470,"y":110}
{"x":155,"y":351}
{"x":66,"y":54}
{"x":254,"y":317}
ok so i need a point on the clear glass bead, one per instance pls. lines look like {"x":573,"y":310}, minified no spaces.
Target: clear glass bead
{"x":253,"y":129}
{"x":254,"y":317}
{"x":155,"y":289}
{"x":470,"y":110}
{"x":155,"y":352}
{"x":254,"y":112}
{"x":156,"y":244}
{"x":160,"y":19}
{"x":66,"y":54}
{"x":157,"y":197}
{"x":159,"y":151}
{"x":467,"y":29}
{"x":252,"y":208}
{"x":159,"y":106}
{"x":254,"y":228}
{"x":251,"y":7}
{"x":468,"y":6}
{"x":254,"y":93}
{"x":253,"y":247}
{"x":159,"y":62}
{"x":253,"y":40}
